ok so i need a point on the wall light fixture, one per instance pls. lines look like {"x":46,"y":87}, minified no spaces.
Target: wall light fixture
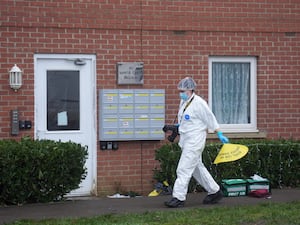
{"x":15,"y":77}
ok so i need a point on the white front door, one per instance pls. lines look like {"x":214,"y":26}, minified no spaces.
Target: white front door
{"x":65,"y":105}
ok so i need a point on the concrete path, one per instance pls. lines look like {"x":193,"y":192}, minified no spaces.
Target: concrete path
{"x":93,"y":206}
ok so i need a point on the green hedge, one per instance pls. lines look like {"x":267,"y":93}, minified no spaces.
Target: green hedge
{"x":39,"y":171}
{"x":278,"y":160}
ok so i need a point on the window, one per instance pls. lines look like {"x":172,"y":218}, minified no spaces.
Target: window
{"x":63,"y":105}
{"x":232,"y":92}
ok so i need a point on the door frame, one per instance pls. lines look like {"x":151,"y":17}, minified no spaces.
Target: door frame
{"x":92,"y":84}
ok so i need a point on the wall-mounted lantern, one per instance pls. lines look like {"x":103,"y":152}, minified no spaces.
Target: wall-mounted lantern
{"x":15,"y":77}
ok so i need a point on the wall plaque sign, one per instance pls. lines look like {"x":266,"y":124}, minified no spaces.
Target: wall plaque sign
{"x":130,"y":73}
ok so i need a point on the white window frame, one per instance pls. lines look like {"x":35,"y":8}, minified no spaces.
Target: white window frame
{"x":232,"y":128}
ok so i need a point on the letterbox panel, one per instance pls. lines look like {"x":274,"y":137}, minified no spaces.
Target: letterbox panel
{"x":126,"y":121}
{"x":126,"y":96}
{"x":141,"y":96}
{"x":109,"y":108}
{"x":126,"y":134}
{"x":157,"y":96}
{"x":141,"y":108}
{"x":126,"y":108}
{"x":157,"y":120}
{"x":141,"y":121}
{"x":109,"y":134}
{"x":109,"y":96}
{"x":110,"y":121}
{"x":157,"y":108}
{"x":157,"y":133}
{"x":141,"y":133}
{"x":131,"y":114}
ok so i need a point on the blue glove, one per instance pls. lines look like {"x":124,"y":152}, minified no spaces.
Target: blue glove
{"x":222,"y":138}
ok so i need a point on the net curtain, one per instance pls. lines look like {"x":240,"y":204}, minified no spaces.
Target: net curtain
{"x":231,"y":92}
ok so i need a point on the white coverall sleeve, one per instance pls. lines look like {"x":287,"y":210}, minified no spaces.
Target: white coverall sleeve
{"x":208,"y":117}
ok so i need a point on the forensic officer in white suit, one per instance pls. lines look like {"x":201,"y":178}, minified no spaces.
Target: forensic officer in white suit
{"x":194,"y":119}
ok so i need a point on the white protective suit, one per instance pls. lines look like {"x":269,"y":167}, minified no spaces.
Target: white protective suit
{"x":194,"y":120}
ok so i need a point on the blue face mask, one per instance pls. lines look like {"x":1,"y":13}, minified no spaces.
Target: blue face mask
{"x":183,"y":96}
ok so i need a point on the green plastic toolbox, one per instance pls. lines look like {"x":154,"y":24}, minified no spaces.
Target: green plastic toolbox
{"x":234,"y":187}
{"x":262,"y":184}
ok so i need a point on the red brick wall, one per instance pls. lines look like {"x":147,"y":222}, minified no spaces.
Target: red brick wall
{"x":173,"y":39}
